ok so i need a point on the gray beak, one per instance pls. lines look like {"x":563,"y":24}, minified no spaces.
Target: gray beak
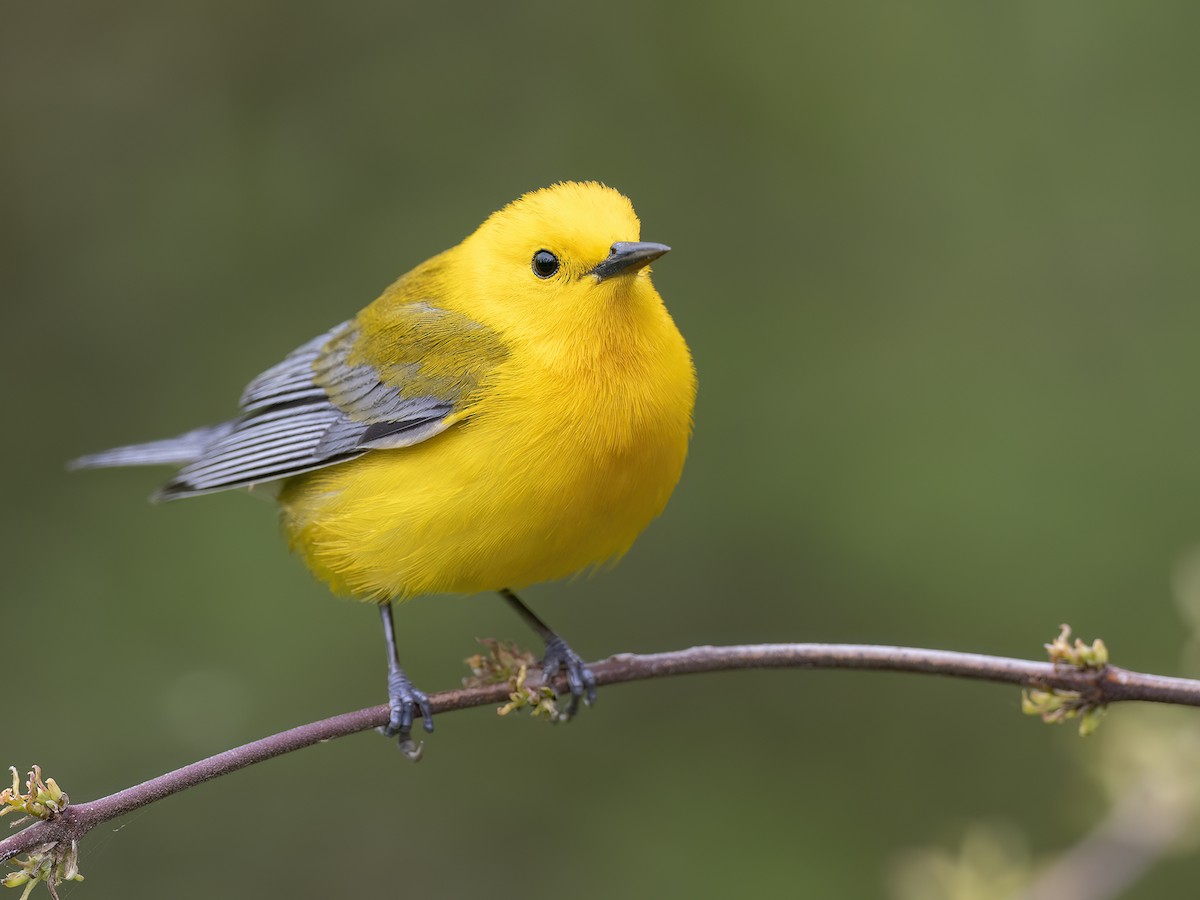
{"x":628,"y":257}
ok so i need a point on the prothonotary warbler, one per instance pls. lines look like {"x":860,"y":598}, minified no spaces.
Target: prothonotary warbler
{"x":511,"y":411}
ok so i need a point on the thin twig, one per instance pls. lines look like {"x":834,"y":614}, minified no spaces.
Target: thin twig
{"x":1108,"y":685}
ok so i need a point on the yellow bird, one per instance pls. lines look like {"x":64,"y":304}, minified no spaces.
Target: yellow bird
{"x":511,"y":411}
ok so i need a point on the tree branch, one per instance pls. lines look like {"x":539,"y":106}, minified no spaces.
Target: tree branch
{"x":1096,"y":687}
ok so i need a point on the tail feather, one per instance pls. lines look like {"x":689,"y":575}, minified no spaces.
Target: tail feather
{"x":173,"y":451}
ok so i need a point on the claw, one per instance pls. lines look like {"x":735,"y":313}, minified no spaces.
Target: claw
{"x":405,"y":701}
{"x":411,"y":750}
{"x":580,"y":679}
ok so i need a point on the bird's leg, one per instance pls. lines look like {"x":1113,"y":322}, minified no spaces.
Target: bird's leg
{"x":404,"y":700}
{"x":559,"y":655}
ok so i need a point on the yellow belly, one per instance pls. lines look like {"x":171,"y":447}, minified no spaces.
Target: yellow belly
{"x":523,"y":491}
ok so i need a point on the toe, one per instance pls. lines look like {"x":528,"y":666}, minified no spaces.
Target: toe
{"x":575,"y":678}
{"x":589,"y":683}
{"x":580,"y":680}
{"x":405,"y":703}
{"x":422,"y":703}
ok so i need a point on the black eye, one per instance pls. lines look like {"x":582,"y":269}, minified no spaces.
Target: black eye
{"x":545,"y":264}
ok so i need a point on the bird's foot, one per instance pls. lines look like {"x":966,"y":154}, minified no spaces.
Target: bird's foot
{"x":582,"y":683}
{"x":405,"y":701}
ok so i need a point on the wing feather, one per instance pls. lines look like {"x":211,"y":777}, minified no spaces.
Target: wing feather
{"x":329,"y":401}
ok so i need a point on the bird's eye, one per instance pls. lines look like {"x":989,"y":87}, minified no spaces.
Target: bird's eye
{"x":545,"y":264}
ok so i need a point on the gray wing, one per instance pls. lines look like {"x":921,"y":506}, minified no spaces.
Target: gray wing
{"x":292,"y":424}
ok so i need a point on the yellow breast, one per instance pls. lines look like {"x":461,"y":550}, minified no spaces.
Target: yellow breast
{"x":560,"y":466}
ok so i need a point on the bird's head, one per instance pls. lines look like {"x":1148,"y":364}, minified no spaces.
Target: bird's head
{"x":562,"y":260}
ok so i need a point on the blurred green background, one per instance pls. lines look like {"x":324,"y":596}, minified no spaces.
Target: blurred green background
{"x":937,"y":263}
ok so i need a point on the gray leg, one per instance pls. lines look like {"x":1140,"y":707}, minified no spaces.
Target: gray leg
{"x":404,"y":700}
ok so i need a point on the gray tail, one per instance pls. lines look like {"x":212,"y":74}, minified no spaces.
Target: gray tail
{"x":176,"y":451}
